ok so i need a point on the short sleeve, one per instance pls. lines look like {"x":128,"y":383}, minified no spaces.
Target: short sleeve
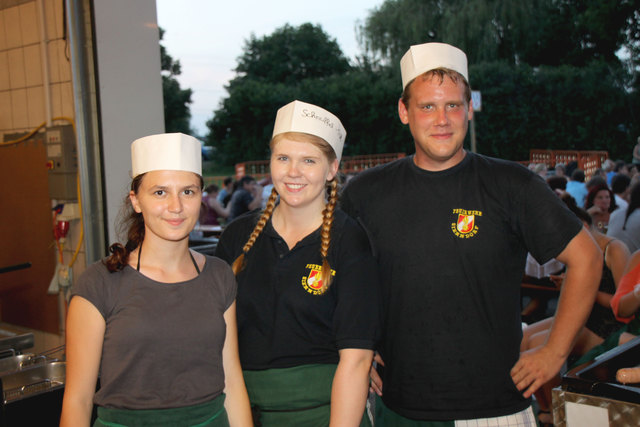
{"x":545,"y":223}
{"x":92,"y":285}
{"x":224,"y":276}
{"x":357,"y":318}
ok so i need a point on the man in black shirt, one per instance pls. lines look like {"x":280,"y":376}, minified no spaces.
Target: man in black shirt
{"x":452,"y":230}
{"x":246,"y":198}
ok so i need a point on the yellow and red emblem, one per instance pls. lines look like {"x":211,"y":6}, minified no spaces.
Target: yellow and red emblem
{"x":312,"y":282}
{"x":465,"y":225}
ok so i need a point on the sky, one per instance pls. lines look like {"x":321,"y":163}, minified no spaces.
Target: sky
{"x":207,"y":37}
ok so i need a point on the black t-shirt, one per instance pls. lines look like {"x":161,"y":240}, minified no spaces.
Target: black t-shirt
{"x":240,"y":200}
{"x":283,"y":321}
{"x":451,"y":247}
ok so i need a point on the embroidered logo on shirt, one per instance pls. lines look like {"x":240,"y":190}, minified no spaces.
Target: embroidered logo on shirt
{"x":465,"y":225}
{"x":312,"y":282}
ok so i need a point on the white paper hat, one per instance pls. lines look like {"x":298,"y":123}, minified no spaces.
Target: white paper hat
{"x":166,"y":151}
{"x":421,"y":58}
{"x":298,"y":116}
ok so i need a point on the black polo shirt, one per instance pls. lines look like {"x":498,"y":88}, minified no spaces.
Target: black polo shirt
{"x":283,"y":319}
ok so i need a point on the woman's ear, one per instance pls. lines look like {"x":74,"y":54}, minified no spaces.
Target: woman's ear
{"x":333,"y":169}
{"x":134,"y":202}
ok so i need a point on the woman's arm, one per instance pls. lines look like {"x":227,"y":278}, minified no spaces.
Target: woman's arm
{"x":85,"y":335}
{"x":629,"y":305}
{"x":350,"y":387}
{"x":624,"y":303}
{"x":616,"y":258}
{"x":237,"y":399}
{"x":218,"y":209}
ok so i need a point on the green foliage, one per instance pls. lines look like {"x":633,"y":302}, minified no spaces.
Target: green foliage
{"x":176,"y":100}
{"x":548,"y":71}
{"x":536,"y":32}
{"x":549,"y":108}
{"x":292,"y":63}
{"x":291,"y":55}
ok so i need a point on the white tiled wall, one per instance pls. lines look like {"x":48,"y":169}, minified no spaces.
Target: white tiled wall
{"x":22,"y":96}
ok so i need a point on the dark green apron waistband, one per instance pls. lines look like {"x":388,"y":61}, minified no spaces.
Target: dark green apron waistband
{"x":290,"y":389}
{"x":207,"y":414}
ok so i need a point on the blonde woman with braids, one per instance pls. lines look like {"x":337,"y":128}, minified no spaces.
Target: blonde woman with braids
{"x":308,"y":316}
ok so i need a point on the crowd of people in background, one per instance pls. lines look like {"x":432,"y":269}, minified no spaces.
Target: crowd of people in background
{"x":608,"y":205}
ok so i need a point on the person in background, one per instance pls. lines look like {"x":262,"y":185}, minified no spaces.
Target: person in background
{"x":247,"y":197}
{"x":576,"y":186}
{"x":626,"y":302}
{"x":621,"y":168}
{"x":599,"y":203}
{"x":212,"y":210}
{"x":624,"y":224}
{"x":636,"y":152}
{"x":451,"y":230}
{"x":308,"y":292}
{"x":558,"y":184}
{"x":608,"y":168}
{"x":633,"y":170}
{"x":571,"y":166}
{"x":601,"y":322}
{"x":159,"y":328}
{"x":541,"y":169}
{"x":560,"y":171}
{"x":225,"y":194}
{"x":267,"y":185}
{"x":626,"y":307}
{"x":621,"y":187}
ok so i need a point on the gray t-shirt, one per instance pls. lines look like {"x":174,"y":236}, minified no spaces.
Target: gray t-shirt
{"x":163,"y":341}
{"x":631,"y":233}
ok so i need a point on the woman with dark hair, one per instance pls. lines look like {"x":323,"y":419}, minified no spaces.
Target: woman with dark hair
{"x":308,"y":314}
{"x":625,"y":224}
{"x":601,"y":321}
{"x":599,"y":204}
{"x":155,"y":320}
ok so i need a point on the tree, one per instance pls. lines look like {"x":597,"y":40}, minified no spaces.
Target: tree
{"x":271,"y":73}
{"x":177,"y":114}
{"x":536,"y":32}
{"x":568,"y":50}
{"x":290,"y":55}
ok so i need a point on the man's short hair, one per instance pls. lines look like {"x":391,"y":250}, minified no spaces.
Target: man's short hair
{"x":245,"y":180}
{"x":577,"y":175}
{"x":619,"y":183}
{"x":440,"y":73}
{"x":557,"y":182}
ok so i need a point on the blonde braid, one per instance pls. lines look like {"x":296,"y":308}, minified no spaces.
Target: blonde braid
{"x":327,"y":221}
{"x":239,"y":263}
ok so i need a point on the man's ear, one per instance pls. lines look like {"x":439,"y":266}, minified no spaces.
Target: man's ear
{"x":403,"y":113}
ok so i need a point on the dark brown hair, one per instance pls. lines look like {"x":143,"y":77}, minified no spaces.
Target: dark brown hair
{"x":593,"y":192}
{"x":634,"y":203}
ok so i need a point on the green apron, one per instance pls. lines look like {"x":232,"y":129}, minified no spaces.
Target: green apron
{"x":633,"y":327}
{"x":208,"y":414}
{"x":298,"y":396}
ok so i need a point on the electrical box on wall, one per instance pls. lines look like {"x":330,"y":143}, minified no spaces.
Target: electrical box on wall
{"x":62,"y":162}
